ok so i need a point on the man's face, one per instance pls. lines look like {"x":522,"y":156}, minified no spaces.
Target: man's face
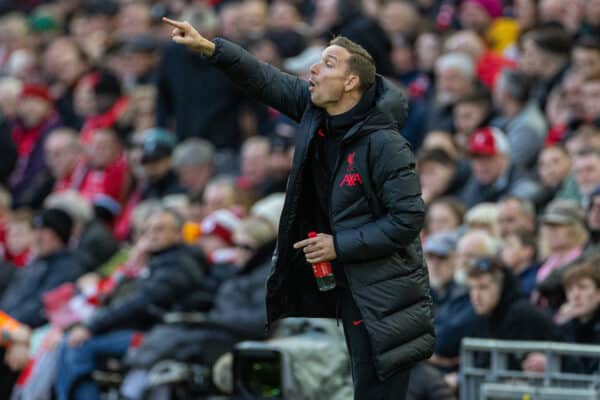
{"x":255,"y":162}
{"x":587,"y":172}
{"x":104,"y":149}
{"x":329,"y":79}
{"x":61,"y":154}
{"x":63,"y":61}
{"x":484,"y":292}
{"x":590,"y":96}
{"x":560,"y":237}
{"x":398,"y":17}
{"x":435,"y":177}
{"x":162,"y":231}
{"x":46,"y":242}
{"x":487,"y":169}
{"x":157,"y":169}
{"x":474,"y":17}
{"x":440,"y":218}
{"x":194,"y":178}
{"x":593,"y":216}
{"x":531,"y":59}
{"x":553,"y":166}
{"x":468,"y":117}
{"x":586,"y":60}
{"x":511,"y":218}
{"x":32,"y":110}
{"x":441,"y":269}
{"x":451,"y":85}
{"x":469,"y":248}
{"x":514,"y":253}
{"x":218,"y":196}
{"x":583,"y":296}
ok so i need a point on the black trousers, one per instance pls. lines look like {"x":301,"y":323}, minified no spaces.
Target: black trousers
{"x":367,"y":385}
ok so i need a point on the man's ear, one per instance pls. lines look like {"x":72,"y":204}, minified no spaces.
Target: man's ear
{"x":352,"y":83}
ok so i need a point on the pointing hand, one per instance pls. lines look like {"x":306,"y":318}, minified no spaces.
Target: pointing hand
{"x":184,"y":33}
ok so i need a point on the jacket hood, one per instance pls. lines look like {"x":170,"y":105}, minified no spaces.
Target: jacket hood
{"x":389,"y":113}
{"x":510,"y":293}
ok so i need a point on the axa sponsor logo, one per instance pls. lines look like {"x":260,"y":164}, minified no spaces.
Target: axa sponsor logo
{"x":351,"y":177}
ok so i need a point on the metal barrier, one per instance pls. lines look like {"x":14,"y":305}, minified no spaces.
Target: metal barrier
{"x":498,"y":382}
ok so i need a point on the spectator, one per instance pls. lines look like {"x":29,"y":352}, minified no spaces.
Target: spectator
{"x":593,"y":219}
{"x":580,"y":314}
{"x":522,"y":120}
{"x":30,"y":182}
{"x":584,"y":138}
{"x":193,"y":162}
{"x":237,"y":315}
{"x":494,"y":176}
{"x":484,"y":216}
{"x":19,"y":238}
{"x":471,"y":112}
{"x":485,"y":18}
{"x":254,"y":163}
{"x":444,"y":215}
{"x":220,"y":193}
{"x":53,"y":266}
{"x":280,"y":159}
{"x":399,"y":17}
{"x":186,"y":83}
{"x":586,"y":55}
{"x":172,"y":275}
{"x":554,"y":171}
{"x":439,"y":175}
{"x":519,"y":253}
{"x":456,"y":318}
{"x":91,"y":241}
{"x":105,"y":104}
{"x":65,"y":64}
{"x":63,"y":154}
{"x":515,"y":214}
{"x":590,"y":88}
{"x":139,"y":60}
{"x":545,"y":56}
{"x":563,"y":235}
{"x":586,"y":168}
{"x":455,"y":78}
{"x":105,"y":172}
{"x":156,"y":158}
{"x":502,"y":313}
{"x":439,"y":250}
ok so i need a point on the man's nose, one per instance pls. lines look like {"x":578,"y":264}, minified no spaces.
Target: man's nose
{"x":314,"y":69}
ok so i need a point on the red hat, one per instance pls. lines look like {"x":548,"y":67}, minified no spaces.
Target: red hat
{"x":221,"y":223}
{"x":492,"y":7}
{"x":488,"y":141}
{"x":36,"y":90}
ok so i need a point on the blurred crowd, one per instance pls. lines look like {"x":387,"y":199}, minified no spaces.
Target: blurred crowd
{"x":138,"y":182}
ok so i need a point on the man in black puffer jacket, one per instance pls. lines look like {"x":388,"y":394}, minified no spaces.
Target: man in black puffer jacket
{"x":170,"y":277}
{"x":352,"y":180}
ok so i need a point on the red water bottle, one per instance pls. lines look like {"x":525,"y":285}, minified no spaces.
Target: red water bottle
{"x":323,"y":272}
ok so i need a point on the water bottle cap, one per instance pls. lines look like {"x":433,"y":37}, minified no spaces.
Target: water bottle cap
{"x":312,"y":234}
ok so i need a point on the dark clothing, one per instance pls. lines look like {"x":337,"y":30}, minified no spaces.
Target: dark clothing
{"x":172,"y":275}
{"x":375,"y":215}
{"x":579,"y":332}
{"x":7,"y":271}
{"x":427,"y":383}
{"x":200,"y":99}
{"x":22,"y":300}
{"x":31,"y":181}
{"x":514,"y":318}
{"x":367,"y":385}
{"x":527,"y":279}
{"x":96,"y":245}
{"x":168,"y":184}
{"x":455,"y":319}
{"x":9,"y":152}
{"x":65,"y":105}
{"x":513,"y":182}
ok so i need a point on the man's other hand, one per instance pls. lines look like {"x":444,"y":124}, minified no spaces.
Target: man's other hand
{"x":184,"y":33}
{"x":78,"y":335}
{"x":317,"y":249}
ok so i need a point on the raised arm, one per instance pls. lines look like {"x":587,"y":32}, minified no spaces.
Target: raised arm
{"x":259,"y":80}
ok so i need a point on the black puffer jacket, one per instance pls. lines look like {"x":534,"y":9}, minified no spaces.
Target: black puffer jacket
{"x":376,"y":213}
{"x":173,"y":275}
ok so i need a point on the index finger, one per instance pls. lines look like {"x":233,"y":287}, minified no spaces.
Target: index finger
{"x":172,"y":22}
{"x":303,"y":243}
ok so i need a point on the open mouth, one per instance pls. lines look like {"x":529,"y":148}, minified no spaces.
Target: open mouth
{"x":311,"y":84}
